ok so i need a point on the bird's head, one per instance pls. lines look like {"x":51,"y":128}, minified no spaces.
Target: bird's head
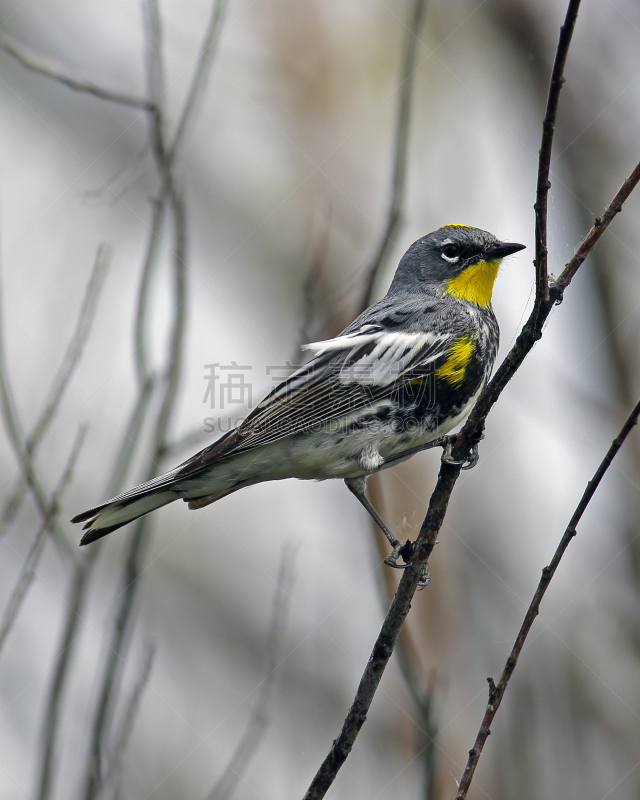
{"x":456,"y":260}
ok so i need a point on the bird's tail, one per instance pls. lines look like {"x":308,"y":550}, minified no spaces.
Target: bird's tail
{"x":124,"y":508}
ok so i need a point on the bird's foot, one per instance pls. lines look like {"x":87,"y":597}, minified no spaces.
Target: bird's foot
{"x":425,"y":578}
{"x":405,"y":551}
{"x":467,"y":463}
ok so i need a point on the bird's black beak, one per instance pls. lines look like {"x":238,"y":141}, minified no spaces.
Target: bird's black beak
{"x":502,"y":249}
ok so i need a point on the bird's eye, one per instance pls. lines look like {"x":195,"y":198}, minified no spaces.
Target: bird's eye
{"x":450,"y":252}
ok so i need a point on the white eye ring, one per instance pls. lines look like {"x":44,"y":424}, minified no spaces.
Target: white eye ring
{"x":450,"y":259}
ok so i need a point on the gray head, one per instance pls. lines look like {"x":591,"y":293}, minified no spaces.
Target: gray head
{"x":455,"y":259}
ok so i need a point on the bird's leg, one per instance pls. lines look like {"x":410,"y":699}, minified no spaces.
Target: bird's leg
{"x":357,"y":487}
{"x":442,"y":441}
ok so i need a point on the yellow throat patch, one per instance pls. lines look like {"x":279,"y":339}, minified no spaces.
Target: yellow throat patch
{"x":475,"y":283}
{"x":455,"y":366}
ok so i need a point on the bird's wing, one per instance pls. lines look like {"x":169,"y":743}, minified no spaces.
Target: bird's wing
{"x":347,"y":373}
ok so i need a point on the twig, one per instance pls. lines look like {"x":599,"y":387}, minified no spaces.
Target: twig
{"x":422,"y":693}
{"x":544,"y":163}
{"x":167,"y":194}
{"x":63,"y":375}
{"x":400,"y":152}
{"x":139,"y":538}
{"x":315,"y":262}
{"x":76,"y":601}
{"x":75,"y":604}
{"x":599,"y":227}
{"x":259,"y":717}
{"x":15,"y":434}
{"x":28,"y":570}
{"x":496,"y":691}
{"x":154,"y":73}
{"x":208,"y":51}
{"x":46,"y":762}
{"x":51,"y":68}
{"x":128,"y":718}
{"x":438,"y":505}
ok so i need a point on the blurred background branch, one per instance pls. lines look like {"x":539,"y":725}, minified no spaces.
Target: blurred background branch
{"x":260,"y":711}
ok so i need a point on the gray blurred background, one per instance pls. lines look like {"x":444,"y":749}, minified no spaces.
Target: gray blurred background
{"x":286,"y":173}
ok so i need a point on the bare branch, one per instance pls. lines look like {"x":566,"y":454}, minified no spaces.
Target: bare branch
{"x":315,"y":261}
{"x":259,"y":717}
{"x":174,"y":354}
{"x":77,"y":598}
{"x":128,"y":718}
{"x":208,"y":52}
{"x":599,"y":227}
{"x":400,"y":152}
{"x":54,"y":698}
{"x":544,"y":163}
{"x":154,"y":72}
{"x":28,"y":570}
{"x":139,"y":539}
{"x":151,"y":255}
{"x":15,"y":433}
{"x":52,"y":68}
{"x":496,"y":692}
{"x":387,"y":637}
{"x":63,"y":376}
{"x":421,"y":692}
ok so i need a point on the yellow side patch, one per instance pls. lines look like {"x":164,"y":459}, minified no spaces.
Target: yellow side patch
{"x":456,"y":225}
{"x":475,"y":283}
{"x":455,"y":366}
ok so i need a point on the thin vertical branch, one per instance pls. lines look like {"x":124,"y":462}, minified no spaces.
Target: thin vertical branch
{"x":15,"y":434}
{"x":315,"y":262}
{"x":63,"y":376}
{"x":208,"y":51}
{"x":544,"y":163}
{"x":139,"y":539}
{"x":76,"y":601}
{"x":28,"y":570}
{"x":421,"y":692}
{"x":144,"y":288}
{"x":259,"y":717}
{"x":176,"y":343}
{"x":168,"y":196}
{"x":94,"y":773}
{"x":129,"y":715}
{"x":496,"y":692}
{"x":46,"y":762}
{"x":400,"y":152}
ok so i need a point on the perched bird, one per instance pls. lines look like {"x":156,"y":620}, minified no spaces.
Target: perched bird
{"x":403,"y":374}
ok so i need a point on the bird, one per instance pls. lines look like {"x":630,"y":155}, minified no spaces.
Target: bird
{"x":401,"y":376}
